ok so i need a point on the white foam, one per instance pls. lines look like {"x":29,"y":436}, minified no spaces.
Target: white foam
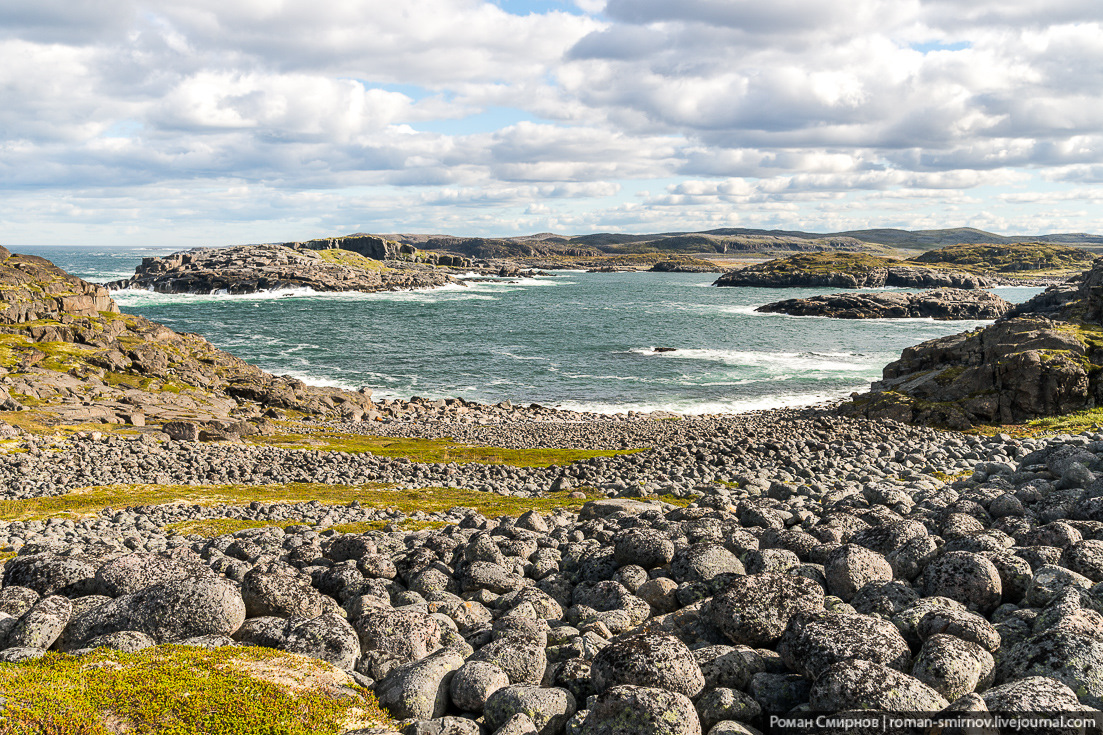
{"x":785,"y":362}
{"x":696,"y":408}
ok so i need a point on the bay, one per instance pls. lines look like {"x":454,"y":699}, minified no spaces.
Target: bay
{"x":584,"y":341}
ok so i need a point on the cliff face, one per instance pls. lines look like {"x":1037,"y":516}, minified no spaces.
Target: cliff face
{"x":1045,"y":358}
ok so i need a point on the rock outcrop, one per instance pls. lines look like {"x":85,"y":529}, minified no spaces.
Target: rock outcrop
{"x":1043,"y":359}
{"x":941,"y":303}
{"x":846,"y":270}
{"x":316,"y":265}
{"x":69,"y":353}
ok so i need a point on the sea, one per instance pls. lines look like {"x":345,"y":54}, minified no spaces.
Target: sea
{"x":573,"y":340}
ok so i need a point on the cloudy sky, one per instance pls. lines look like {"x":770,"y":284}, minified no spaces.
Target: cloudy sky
{"x":193,"y":122}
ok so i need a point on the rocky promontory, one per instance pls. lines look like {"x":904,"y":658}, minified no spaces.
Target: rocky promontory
{"x":1044,"y":358}
{"x":942,"y":303}
{"x":324,"y":265}
{"x":849,"y":270}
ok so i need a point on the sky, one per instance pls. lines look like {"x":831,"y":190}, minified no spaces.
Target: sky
{"x":215,"y":122}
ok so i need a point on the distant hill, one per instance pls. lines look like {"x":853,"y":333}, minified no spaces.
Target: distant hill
{"x":728,"y":241}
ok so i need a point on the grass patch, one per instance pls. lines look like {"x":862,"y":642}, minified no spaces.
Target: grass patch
{"x":406,"y":524}
{"x":1072,"y":423}
{"x":1021,"y":259}
{"x":87,"y":501}
{"x":177,"y":690}
{"x":90,"y":500}
{"x":440,"y":451}
{"x":350,"y":259}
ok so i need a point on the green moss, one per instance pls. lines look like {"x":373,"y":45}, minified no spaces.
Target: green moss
{"x":177,"y":690}
{"x":86,"y":501}
{"x":350,"y":259}
{"x":949,"y":375}
{"x":433,"y":450}
{"x":406,"y":524}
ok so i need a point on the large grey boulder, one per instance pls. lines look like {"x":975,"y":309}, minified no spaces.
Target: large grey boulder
{"x":966,"y":577}
{"x":406,"y":634}
{"x":40,"y":626}
{"x":649,"y":660}
{"x":49,"y":574}
{"x":548,"y":708}
{"x":756,"y":609}
{"x":644,"y":546}
{"x":814,"y":642}
{"x":866,"y":685}
{"x":850,"y":567}
{"x":633,"y":710}
{"x":328,"y":637}
{"x":473,"y":684}
{"x":170,"y":611}
{"x":1068,"y":655}
{"x":419,"y":690}
{"x":953,"y":667}
{"x":132,"y":572}
{"x":280,"y":591}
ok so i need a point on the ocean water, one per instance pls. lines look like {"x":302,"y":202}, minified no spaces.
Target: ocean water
{"x":584,"y":341}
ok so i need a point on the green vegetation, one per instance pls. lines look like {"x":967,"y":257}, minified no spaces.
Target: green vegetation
{"x":177,"y":690}
{"x":1072,"y":423}
{"x":86,"y":501}
{"x":211,"y":527}
{"x":350,"y":259}
{"x":822,"y":263}
{"x":405,"y":524}
{"x":1028,"y":258}
{"x":432,"y":450}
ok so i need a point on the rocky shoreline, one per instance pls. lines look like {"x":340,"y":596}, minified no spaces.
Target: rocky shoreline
{"x":941,"y":303}
{"x":701,"y":576}
{"x":828,"y":565}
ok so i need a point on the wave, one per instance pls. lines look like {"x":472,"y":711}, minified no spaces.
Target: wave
{"x":786,"y":362}
{"x":690,"y":407}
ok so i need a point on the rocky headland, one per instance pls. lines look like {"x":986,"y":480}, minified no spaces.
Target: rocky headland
{"x":941,"y":303}
{"x":965,"y":267}
{"x":652,"y":575}
{"x":348,"y":264}
{"x":1043,"y":358}
{"x":849,"y":270}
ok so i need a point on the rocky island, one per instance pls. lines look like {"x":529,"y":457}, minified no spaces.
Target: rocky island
{"x":353,"y":263}
{"x":942,"y":303}
{"x":445,"y":567}
{"x":849,"y":270}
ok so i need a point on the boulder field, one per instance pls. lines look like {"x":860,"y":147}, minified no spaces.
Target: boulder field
{"x":841,"y":565}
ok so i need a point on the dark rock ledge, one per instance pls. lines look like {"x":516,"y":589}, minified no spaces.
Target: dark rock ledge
{"x":942,"y":303}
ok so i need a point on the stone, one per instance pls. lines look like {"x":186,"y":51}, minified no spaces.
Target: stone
{"x":474,"y":682}
{"x":968,"y":578}
{"x":814,"y":641}
{"x":419,"y":689}
{"x":169,"y":611}
{"x":408,"y":635}
{"x":755,"y":610}
{"x":548,"y":708}
{"x":648,"y":660}
{"x":850,"y":567}
{"x":953,"y":667}
{"x":40,"y":626}
{"x":328,"y":637}
{"x":866,"y":685}
{"x":634,"y":710}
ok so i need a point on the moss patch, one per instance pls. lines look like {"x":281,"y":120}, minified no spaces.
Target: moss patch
{"x":350,"y":259}
{"x":177,"y":690}
{"x":433,"y":450}
{"x":1025,"y":259}
{"x":406,"y":524}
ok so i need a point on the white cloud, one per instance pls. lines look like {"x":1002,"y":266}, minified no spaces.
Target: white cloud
{"x":827,"y":113}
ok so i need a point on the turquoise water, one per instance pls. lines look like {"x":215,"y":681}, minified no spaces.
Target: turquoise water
{"x":577,"y":340}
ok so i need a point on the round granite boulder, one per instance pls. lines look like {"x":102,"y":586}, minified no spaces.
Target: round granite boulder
{"x":755,"y":610}
{"x":813,"y":642}
{"x":650,"y":660}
